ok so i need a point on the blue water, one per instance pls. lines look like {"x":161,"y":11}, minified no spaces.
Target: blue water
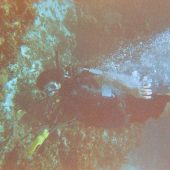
{"x":146,"y":63}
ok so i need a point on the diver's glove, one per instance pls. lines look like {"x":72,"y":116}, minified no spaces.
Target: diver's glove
{"x":145,"y":91}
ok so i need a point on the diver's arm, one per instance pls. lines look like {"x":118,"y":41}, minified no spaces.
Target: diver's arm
{"x":144,"y":92}
{"x":124,"y":88}
{"x":138,"y":92}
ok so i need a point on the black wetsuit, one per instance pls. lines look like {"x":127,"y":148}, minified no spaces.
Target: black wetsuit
{"x":82,"y":96}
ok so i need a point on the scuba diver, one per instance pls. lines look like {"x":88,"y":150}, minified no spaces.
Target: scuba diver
{"x":91,"y":98}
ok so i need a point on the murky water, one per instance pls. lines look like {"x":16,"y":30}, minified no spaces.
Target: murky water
{"x":125,"y":45}
{"x":108,"y":25}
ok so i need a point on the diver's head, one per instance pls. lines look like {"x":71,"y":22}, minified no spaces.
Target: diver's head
{"x":49,"y":81}
{"x":51,"y":88}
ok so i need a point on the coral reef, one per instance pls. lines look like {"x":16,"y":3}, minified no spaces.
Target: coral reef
{"x":15,"y":17}
{"x":80,"y":148}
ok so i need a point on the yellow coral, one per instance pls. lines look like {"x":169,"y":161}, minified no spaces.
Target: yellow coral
{"x":39,"y":140}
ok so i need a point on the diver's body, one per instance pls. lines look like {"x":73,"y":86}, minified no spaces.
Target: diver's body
{"x":82,"y":96}
{"x":102,"y":106}
{"x":100,"y":103}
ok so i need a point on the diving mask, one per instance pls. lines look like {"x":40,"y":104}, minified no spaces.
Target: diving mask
{"x":52,"y":87}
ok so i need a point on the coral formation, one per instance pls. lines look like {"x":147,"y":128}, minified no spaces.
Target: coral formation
{"x":39,"y":140}
{"x":15,"y":17}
